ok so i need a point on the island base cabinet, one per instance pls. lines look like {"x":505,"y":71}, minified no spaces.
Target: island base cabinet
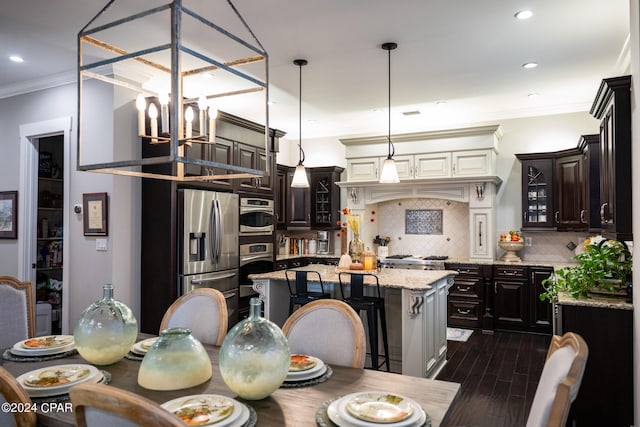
{"x":605,"y":397}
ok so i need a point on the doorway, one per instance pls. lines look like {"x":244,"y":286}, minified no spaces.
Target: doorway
{"x":49,"y":234}
{"x":33,"y":207}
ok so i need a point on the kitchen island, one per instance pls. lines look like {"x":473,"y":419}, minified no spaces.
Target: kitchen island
{"x":416,"y":306}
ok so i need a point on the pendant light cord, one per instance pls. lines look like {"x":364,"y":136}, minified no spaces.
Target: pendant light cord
{"x":389,"y":47}
{"x":300,"y":63}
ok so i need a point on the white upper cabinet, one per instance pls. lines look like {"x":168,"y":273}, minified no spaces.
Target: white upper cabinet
{"x":473,"y":163}
{"x":432,"y":165}
{"x":362,"y":169}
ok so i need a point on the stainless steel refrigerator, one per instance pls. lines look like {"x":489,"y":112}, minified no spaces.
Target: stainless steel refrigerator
{"x":209,"y":244}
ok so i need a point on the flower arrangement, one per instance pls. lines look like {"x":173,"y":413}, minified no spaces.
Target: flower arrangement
{"x":352,"y":222}
{"x":605,"y":266}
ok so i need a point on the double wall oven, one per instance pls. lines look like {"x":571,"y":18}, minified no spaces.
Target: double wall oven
{"x":256,"y":245}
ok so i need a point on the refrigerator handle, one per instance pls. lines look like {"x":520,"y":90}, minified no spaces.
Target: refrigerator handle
{"x":213,"y":279}
{"x":218,"y":224}
{"x":213,"y":236}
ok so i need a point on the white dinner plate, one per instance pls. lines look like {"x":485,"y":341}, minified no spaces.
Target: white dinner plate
{"x":141,"y":347}
{"x":56,"y":380}
{"x":337,"y":409}
{"x":44,"y":346}
{"x":216,"y":409}
{"x":319,"y":369}
{"x":302,"y":362}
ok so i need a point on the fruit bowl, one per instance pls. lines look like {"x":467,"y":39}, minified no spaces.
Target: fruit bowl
{"x":511,"y":248}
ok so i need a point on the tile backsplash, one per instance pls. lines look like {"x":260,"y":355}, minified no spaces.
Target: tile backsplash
{"x":391,"y":216}
{"x":453,"y":241}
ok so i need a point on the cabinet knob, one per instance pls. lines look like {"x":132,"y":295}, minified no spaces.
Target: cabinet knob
{"x":467,"y":311}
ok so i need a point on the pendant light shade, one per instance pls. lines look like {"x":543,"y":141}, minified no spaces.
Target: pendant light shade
{"x":300,"y":179}
{"x":389,"y":174}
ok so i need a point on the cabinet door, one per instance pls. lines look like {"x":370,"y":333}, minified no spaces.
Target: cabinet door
{"x":281,"y":198}
{"x":592,"y":181}
{"x":541,"y":314}
{"x":404,"y":166}
{"x":265,"y":183}
{"x":472,"y":163}
{"x":433,"y":165}
{"x":362,"y":169}
{"x":569,"y":194}
{"x":298,"y":204}
{"x":537,"y":193}
{"x":510,"y":304}
{"x":246,"y":157}
{"x":220,"y":152}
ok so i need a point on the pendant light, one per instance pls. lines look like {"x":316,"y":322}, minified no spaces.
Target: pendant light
{"x":300,"y":176}
{"x":389,"y":173}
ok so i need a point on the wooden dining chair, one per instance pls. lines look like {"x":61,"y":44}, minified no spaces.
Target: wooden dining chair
{"x":17,"y":311}
{"x":100,"y":405}
{"x":559,"y":382}
{"x":203,"y":311}
{"x":328,"y":329}
{"x":12,"y":392}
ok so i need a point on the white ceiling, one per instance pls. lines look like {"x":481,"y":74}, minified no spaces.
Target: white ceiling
{"x":468,"y":53}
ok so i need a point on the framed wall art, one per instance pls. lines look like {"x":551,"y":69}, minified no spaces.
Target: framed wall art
{"x":8,"y":214}
{"x":96,"y":214}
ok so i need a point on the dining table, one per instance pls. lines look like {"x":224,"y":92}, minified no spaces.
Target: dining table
{"x":286,"y":406}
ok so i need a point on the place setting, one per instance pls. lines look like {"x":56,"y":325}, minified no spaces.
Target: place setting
{"x":55,"y":381}
{"x":212,"y":409}
{"x":372,"y":408}
{"x":41,"y":349}
{"x":306,"y":370}
{"x":140,"y":348}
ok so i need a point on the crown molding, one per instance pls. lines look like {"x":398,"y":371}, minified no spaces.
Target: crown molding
{"x":46,"y":82}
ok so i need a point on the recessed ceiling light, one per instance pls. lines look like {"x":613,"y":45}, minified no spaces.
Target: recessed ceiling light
{"x":523,"y":14}
{"x":312,"y":121}
{"x":533,"y":95}
{"x":16,"y":58}
{"x":529,"y":65}
{"x":441,"y":103}
{"x":271,"y":103}
{"x":411,"y":113}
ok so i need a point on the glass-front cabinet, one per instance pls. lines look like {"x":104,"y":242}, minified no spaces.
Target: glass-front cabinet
{"x":537,"y":194}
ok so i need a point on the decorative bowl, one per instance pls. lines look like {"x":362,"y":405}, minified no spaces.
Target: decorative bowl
{"x":511,"y":248}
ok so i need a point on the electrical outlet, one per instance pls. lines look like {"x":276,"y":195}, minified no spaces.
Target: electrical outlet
{"x":528,"y":241}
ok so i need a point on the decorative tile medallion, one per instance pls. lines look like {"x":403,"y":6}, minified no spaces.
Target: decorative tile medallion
{"x":423,"y":221}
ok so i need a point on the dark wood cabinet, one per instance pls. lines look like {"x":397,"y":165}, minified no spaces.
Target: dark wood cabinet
{"x":325,"y":197}
{"x":612,"y":106}
{"x":466,"y":300}
{"x":281,"y":197}
{"x":540,"y":312}
{"x":537,"y":191}
{"x":248,"y":156}
{"x":606,"y":395}
{"x":510,"y":297}
{"x":298,"y":204}
{"x":220,"y":152}
{"x":569,"y":192}
{"x":556,"y":189}
{"x":314,"y":207}
{"x":590,"y":146}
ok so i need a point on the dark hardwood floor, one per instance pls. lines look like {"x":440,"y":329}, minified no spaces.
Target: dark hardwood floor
{"x":499,"y":374}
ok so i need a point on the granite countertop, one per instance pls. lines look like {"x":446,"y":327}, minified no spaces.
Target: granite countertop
{"x":417,"y":280}
{"x":525,"y":263}
{"x":597,"y":302}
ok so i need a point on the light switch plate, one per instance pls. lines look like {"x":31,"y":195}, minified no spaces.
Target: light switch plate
{"x":101,"y":244}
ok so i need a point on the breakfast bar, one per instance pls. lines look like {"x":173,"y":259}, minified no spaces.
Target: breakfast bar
{"x":415,"y":301}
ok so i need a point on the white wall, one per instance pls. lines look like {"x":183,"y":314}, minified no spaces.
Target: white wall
{"x":88,"y":269}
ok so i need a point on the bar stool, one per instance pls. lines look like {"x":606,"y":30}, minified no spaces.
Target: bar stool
{"x":301,"y":295}
{"x":374,"y":306}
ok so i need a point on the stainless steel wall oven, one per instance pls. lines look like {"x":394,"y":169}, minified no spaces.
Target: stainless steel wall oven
{"x":256,"y":216}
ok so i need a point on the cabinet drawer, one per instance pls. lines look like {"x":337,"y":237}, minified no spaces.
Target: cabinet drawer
{"x":464,"y":313}
{"x":466,"y":269}
{"x":467,"y":288}
{"x":506,"y":271}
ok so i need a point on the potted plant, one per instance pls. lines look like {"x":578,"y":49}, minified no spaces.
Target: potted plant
{"x":604,"y":268}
